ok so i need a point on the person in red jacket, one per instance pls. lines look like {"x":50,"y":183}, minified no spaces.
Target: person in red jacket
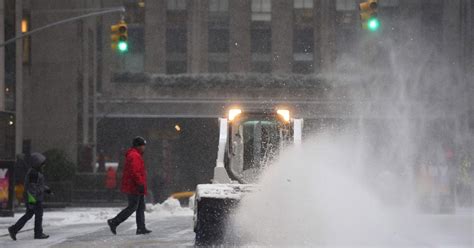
{"x":134,"y":185}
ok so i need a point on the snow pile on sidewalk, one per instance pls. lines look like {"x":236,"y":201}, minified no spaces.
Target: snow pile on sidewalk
{"x":81,"y":216}
{"x":171,"y":207}
{"x":77,"y":216}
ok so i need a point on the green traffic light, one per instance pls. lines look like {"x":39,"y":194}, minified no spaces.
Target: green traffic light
{"x":373,"y":24}
{"x":122,"y":46}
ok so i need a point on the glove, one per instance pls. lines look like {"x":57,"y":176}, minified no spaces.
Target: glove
{"x":30,"y":199}
{"x":141,"y":189}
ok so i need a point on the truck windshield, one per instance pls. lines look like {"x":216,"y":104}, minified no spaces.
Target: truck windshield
{"x":259,"y":142}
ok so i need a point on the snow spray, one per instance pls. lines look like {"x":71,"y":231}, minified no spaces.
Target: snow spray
{"x":349,"y":185}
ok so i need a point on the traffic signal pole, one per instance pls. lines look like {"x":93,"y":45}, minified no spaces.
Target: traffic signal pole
{"x":72,"y":19}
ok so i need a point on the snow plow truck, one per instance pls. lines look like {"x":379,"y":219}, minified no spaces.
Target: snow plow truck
{"x":248,"y":141}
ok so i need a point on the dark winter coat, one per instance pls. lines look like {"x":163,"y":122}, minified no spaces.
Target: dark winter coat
{"x":134,"y":173}
{"x":35,"y":186}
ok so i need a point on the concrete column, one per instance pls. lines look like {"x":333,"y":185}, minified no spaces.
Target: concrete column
{"x":282,"y":36}
{"x":2,"y":56}
{"x":239,"y":27}
{"x":93,"y":24}
{"x":197,"y":36}
{"x":56,"y":76}
{"x":18,"y":79}
{"x":85,"y":83}
{"x":109,"y":58}
{"x":155,"y":36}
{"x":327,"y":39}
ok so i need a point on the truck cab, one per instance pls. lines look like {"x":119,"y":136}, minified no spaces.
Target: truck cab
{"x":249,"y":140}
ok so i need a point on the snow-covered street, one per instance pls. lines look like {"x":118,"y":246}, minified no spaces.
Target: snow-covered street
{"x":86,"y":227}
{"x":172,"y":227}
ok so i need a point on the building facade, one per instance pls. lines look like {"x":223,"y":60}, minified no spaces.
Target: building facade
{"x":188,"y":60}
{"x":8,"y":75}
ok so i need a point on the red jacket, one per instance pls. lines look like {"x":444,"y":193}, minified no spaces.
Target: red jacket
{"x":134,"y":172}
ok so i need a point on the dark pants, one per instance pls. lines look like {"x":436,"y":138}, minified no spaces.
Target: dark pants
{"x":31,"y":209}
{"x":136,"y":203}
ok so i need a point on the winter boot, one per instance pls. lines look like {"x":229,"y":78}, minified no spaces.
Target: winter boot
{"x":113,"y":227}
{"x":41,"y":236}
{"x":12,"y":233}
{"x":143,"y":231}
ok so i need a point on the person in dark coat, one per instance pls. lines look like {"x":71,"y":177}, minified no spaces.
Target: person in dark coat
{"x":35,"y":189}
{"x":134,"y":185}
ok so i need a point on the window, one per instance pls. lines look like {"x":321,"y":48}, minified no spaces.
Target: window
{"x":218,"y":67}
{"x":303,"y":67}
{"x":303,"y":41}
{"x":218,"y":5}
{"x":262,"y":66}
{"x":303,"y":4}
{"x":176,"y":67}
{"x":133,"y":60}
{"x":176,"y":37}
{"x":136,"y":39}
{"x":218,"y":36}
{"x":176,"y":5}
{"x":261,"y":40}
{"x":261,"y":10}
{"x":176,"y":40}
{"x":303,"y":13}
{"x":176,"y":15}
{"x":347,"y":26}
{"x":389,"y":3}
{"x":261,"y":36}
{"x":346,"y":5}
{"x":260,"y":140}
{"x":303,"y":47}
{"x":218,"y":40}
{"x":218,"y":62}
{"x":303,"y":37}
{"x":176,"y":48}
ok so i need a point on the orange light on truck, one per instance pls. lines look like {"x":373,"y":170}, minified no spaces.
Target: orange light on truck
{"x":285,"y":114}
{"x":233,"y":113}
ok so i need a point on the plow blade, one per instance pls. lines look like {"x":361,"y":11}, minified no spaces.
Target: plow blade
{"x":211,"y":219}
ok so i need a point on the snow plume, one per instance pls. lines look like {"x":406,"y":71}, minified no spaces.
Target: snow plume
{"x":308,"y":198}
{"x":407,"y":106}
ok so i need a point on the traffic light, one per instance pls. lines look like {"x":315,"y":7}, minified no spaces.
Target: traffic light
{"x":368,"y":15}
{"x":119,"y":37}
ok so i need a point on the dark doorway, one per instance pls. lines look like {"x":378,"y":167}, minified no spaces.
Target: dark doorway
{"x":181,"y":153}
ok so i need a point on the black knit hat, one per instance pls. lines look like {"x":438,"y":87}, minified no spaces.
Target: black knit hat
{"x":138,"y":141}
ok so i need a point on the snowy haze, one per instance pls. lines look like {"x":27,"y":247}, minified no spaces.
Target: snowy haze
{"x":353,"y":184}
